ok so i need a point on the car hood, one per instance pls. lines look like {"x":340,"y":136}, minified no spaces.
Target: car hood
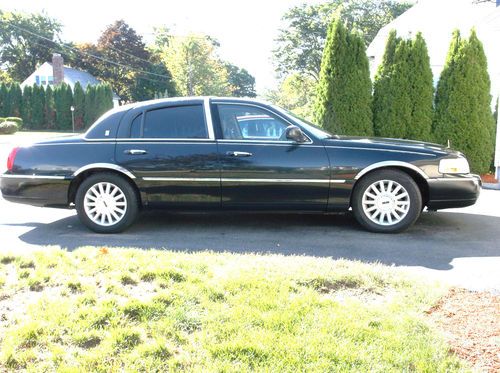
{"x":381,"y":142}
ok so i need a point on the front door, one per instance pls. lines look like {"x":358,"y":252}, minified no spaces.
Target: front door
{"x":173,"y":157}
{"x":262,"y":169}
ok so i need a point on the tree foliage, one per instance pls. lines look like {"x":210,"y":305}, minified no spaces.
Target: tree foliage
{"x":21,"y":51}
{"x":463,"y":112}
{"x":79,"y":106}
{"x":403,"y":90}
{"x":301,"y":41}
{"x":241,"y":82}
{"x":343,"y":101}
{"x":195,"y":66}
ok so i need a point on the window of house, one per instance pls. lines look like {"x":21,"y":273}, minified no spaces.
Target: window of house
{"x":50,"y":79}
{"x":180,"y":122}
{"x":37,"y":79}
{"x":43,"y":80}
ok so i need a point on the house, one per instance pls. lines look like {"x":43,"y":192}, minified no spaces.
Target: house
{"x":55,"y":73}
{"x":437,"y":19}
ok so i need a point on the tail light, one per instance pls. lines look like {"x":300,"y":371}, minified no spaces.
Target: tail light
{"x":11,"y":158}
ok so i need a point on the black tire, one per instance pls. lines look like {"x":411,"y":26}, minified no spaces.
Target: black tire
{"x":414,"y":199}
{"x":131,"y":208}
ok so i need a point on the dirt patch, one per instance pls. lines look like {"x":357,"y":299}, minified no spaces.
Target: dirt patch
{"x":470,"y":322}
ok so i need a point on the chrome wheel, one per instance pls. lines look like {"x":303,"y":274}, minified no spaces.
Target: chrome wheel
{"x":386,"y":202}
{"x":105,"y":204}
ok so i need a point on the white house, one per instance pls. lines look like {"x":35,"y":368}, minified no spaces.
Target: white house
{"x":55,"y":73}
{"x":437,"y":19}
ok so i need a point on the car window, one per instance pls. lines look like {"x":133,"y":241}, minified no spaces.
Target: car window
{"x":135,"y":127}
{"x":242,"y":122}
{"x":180,"y":122}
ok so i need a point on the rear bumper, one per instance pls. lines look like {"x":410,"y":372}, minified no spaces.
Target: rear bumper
{"x":47,"y":191}
{"x":452,"y":192}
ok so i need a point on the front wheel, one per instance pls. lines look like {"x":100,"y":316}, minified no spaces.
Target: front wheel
{"x":387,"y":201}
{"x":106,"y":203}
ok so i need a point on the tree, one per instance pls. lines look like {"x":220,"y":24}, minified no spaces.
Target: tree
{"x":26,"y":40}
{"x":301,"y":41}
{"x":403,"y":90}
{"x":463,"y":102}
{"x":241,"y":83}
{"x":293,"y":94}
{"x":343,"y":101}
{"x":50,"y":110}
{"x":4,"y":101}
{"x":26,"y":106}
{"x":16,"y":97}
{"x":196,"y":69}
{"x":90,"y":105}
{"x":38,"y":107}
{"x":63,"y":99}
{"x":79,"y":105}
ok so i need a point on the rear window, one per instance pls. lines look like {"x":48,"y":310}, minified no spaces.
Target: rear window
{"x":180,"y":122}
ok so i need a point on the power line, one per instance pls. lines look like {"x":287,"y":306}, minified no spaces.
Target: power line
{"x":89,"y":54}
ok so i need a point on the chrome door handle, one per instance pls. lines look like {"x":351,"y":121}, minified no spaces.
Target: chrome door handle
{"x":239,"y":154}
{"x":135,"y":151}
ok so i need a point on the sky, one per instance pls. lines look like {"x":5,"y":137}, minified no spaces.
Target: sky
{"x":246,"y":29}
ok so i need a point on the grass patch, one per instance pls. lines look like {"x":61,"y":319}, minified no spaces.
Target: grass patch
{"x":132,"y":310}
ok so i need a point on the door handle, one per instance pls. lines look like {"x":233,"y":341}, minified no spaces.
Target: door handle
{"x":239,"y":154}
{"x":135,"y":151}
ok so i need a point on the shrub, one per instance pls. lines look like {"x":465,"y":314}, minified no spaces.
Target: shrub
{"x":16,"y":120}
{"x":8,"y":128}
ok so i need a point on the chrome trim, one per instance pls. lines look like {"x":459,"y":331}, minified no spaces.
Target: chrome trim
{"x":109,"y":166}
{"x":11,"y":176}
{"x":208,"y":118}
{"x":250,"y":180}
{"x":389,"y":164}
{"x":380,"y":150}
{"x":440,"y":179}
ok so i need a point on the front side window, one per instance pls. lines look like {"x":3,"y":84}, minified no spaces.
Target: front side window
{"x":242,"y":122}
{"x":180,"y":122}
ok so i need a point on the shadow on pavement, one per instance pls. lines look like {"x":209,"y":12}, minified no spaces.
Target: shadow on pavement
{"x":433,"y":242}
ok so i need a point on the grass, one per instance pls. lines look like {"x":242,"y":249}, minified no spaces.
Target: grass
{"x":111,"y":310}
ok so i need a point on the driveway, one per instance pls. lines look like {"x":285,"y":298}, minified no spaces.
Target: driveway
{"x":461,"y":247}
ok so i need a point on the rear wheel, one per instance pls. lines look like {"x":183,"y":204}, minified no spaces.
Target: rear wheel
{"x":106,"y":203}
{"x":387,"y":201}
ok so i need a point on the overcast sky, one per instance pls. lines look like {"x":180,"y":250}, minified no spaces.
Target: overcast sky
{"x":245,"y":29}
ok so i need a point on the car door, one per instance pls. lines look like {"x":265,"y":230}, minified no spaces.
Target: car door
{"x":172,"y":152}
{"x":261,"y":169}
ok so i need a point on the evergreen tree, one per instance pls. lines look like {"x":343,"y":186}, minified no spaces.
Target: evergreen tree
{"x":90,"y":103}
{"x":38,"y":107}
{"x":108,"y":97}
{"x":63,"y":98}
{"x":26,"y":106}
{"x":79,"y":105}
{"x":50,"y":111}
{"x":16,"y":97}
{"x":463,"y":111}
{"x":4,"y":101}
{"x":343,"y":102}
{"x":421,"y":91}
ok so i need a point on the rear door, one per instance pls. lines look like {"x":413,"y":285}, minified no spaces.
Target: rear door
{"x":172,"y":151}
{"x":261,"y":169}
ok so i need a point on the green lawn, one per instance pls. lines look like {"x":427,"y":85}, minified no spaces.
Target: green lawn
{"x":133,"y":310}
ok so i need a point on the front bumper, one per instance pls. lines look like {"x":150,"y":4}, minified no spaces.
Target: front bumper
{"x":36,"y":190}
{"x":453,"y":191}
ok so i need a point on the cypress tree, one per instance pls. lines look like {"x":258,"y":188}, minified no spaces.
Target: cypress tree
{"x":63,"y":99}
{"x":343,"y":101}
{"x":4,"y":101}
{"x":90,"y":107}
{"x":50,"y":111}
{"x":421,"y":91}
{"x":79,"y":104}
{"x":108,"y":97}
{"x":16,"y":97}
{"x":26,"y":106}
{"x":37,"y":107}
{"x":463,"y":111}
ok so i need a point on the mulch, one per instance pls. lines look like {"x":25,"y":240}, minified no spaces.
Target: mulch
{"x":470,"y":322}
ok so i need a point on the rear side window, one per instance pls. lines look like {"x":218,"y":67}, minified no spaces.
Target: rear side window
{"x":180,"y":122}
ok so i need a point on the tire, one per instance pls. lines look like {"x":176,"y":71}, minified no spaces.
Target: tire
{"x":386,"y":201}
{"x":106,"y":210}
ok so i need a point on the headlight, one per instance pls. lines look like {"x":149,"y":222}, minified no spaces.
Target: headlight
{"x":454,"y":166}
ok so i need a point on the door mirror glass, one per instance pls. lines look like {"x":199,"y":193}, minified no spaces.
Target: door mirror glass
{"x":294,"y":133}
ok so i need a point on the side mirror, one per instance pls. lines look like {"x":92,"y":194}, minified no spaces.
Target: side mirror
{"x":295,"y":133}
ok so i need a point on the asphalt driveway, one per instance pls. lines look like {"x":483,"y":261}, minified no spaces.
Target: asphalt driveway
{"x":459,"y":246}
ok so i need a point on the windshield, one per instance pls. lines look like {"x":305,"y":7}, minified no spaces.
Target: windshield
{"x":313,"y":128}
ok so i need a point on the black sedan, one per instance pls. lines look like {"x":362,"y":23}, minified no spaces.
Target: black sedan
{"x":233,"y":154}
